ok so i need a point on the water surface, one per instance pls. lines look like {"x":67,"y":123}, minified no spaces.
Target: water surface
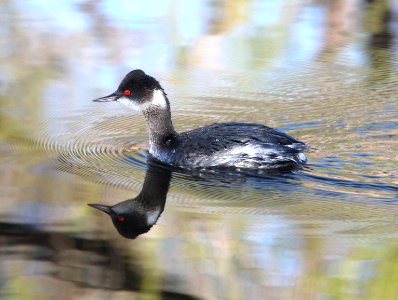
{"x":324,"y":72}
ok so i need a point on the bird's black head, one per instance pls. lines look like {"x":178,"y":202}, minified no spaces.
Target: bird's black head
{"x":129,"y":217}
{"x":138,"y":89}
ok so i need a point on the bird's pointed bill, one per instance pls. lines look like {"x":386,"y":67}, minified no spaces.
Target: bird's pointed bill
{"x":105,"y":208}
{"x":111,"y":97}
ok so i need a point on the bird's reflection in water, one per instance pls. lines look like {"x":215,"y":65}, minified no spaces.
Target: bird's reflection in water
{"x":136,"y":216}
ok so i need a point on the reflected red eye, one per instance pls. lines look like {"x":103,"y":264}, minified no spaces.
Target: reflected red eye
{"x":127,"y":92}
{"x":120,"y":218}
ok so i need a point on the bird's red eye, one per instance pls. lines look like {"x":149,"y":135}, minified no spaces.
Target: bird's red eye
{"x":127,"y":92}
{"x":120,"y":218}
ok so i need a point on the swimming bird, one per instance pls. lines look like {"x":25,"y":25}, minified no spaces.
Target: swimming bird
{"x":216,"y":146}
{"x":136,"y":216}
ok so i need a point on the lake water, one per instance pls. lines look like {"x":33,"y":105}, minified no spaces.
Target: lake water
{"x":322,"y":71}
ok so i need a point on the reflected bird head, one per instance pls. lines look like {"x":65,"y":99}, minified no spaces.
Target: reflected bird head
{"x":129,"y":219}
{"x":136,"y":216}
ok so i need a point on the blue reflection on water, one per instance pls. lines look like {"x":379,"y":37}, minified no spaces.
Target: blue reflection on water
{"x":61,"y":16}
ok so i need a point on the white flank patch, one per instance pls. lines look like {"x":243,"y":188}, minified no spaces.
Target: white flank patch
{"x":250,"y":150}
{"x":234,"y":156}
{"x":302,"y":157}
{"x":229,"y":156}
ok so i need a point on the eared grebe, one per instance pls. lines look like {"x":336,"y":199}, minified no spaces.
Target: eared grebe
{"x":219,"y":145}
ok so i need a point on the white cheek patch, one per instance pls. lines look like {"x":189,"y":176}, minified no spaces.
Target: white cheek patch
{"x":158,"y":99}
{"x":153,"y":216}
{"x":130,"y":104}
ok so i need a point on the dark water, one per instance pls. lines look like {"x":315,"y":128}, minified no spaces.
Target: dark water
{"x":323,"y":71}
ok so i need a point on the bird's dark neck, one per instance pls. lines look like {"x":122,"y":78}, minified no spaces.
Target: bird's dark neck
{"x":155,"y":188}
{"x":158,"y":117}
